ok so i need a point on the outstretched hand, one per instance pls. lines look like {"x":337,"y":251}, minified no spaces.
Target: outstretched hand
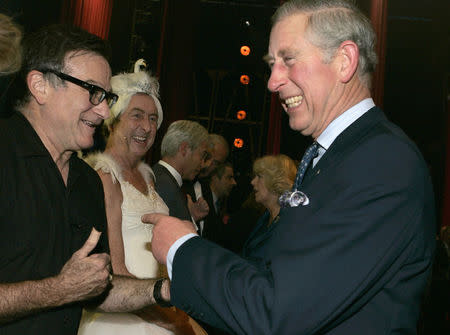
{"x":198,"y":209}
{"x":166,"y":231}
{"x":84,"y":276}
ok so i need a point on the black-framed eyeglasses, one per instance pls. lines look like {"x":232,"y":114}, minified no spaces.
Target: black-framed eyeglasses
{"x":96,"y":93}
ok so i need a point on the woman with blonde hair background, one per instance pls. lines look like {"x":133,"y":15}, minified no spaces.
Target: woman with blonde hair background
{"x":273,"y":175}
{"x":10,"y":58}
{"x":10,"y":49}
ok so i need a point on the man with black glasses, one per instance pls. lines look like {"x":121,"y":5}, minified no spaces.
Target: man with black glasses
{"x":53,"y":254}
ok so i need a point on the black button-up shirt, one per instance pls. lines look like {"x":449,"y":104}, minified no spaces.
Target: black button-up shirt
{"x":43,"y":221}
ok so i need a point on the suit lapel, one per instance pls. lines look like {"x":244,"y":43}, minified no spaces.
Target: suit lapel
{"x":167,"y":172}
{"x":344,"y":142}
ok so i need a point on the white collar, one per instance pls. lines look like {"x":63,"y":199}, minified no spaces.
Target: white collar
{"x":215,"y":198}
{"x":172,"y":171}
{"x":338,"y":125}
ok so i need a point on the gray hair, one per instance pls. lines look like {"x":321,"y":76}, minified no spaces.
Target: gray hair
{"x":331,"y":22}
{"x":193,"y":133}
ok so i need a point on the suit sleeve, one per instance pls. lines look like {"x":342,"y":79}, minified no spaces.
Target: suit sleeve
{"x":367,"y":232}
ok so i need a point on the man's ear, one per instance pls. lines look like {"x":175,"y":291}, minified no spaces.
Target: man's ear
{"x":183,"y":148}
{"x":348,"y":60}
{"x":38,"y":86}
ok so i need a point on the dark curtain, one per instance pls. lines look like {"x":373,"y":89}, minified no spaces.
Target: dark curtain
{"x":446,"y":195}
{"x":175,"y":64}
{"x":91,"y":15}
{"x":378,"y":16}
{"x":274,"y":126}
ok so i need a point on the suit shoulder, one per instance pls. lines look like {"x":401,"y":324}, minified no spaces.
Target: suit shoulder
{"x":390,"y":145}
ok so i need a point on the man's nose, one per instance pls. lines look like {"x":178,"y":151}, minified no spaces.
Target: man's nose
{"x":146,"y":124}
{"x":102,"y":109}
{"x":277,"y":78}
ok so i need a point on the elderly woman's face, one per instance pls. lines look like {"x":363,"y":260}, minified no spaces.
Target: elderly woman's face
{"x":138,"y":124}
{"x":262,"y":194}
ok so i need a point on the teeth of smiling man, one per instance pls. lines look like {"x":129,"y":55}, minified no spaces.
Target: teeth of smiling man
{"x":293,"y":101}
{"x":140,"y":138}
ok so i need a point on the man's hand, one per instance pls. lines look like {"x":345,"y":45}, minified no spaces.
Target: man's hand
{"x":197,"y":209}
{"x":166,"y":231}
{"x":84,"y":276}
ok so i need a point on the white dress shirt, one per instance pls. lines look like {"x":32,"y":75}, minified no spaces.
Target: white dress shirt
{"x":338,"y":125}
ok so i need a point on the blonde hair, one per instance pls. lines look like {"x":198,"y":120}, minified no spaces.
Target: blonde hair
{"x":10,"y":48}
{"x":278,"y":172}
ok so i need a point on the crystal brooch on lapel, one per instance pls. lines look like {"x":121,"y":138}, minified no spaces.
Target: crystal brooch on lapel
{"x":293,"y":199}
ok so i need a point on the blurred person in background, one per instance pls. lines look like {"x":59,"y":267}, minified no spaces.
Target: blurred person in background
{"x":10,"y":56}
{"x":10,"y":48}
{"x":273,"y":175}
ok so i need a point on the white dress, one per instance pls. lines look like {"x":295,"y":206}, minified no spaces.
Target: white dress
{"x":138,"y":257}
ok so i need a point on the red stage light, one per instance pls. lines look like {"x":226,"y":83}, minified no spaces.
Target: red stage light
{"x":245,"y":79}
{"x":238,"y":142}
{"x":245,"y":50}
{"x":241,"y":115}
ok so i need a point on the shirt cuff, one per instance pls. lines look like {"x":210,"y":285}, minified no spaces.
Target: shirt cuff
{"x":173,"y":250}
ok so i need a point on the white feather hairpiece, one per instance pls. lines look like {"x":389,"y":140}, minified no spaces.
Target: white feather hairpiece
{"x":125,"y":85}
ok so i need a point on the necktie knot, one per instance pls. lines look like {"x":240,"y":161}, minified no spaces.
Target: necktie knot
{"x":295,"y":197}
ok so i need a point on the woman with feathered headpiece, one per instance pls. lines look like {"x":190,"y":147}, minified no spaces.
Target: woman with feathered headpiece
{"x":128,"y":183}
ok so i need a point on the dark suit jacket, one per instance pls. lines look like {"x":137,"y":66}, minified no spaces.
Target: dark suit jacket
{"x":215,"y":230}
{"x":355,"y":260}
{"x":213,"y":227}
{"x":168,"y":189}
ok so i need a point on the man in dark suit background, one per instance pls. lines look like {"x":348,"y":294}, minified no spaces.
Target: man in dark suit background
{"x":199,"y":188}
{"x":183,"y":153}
{"x":219,"y":187}
{"x":353,"y":246}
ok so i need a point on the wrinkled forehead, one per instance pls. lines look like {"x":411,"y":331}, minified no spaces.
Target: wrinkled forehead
{"x":87,"y":61}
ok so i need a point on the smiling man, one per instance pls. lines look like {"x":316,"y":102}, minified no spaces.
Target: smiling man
{"x":53,"y":255}
{"x":353,"y":246}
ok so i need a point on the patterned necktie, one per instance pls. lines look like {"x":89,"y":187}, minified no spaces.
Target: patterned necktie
{"x":309,"y":155}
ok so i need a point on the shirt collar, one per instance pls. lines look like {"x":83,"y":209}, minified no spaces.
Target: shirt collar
{"x":344,"y":120}
{"x":215,"y":199}
{"x":172,"y":171}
